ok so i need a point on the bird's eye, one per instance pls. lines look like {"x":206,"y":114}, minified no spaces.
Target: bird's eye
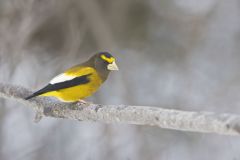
{"x":108,"y":60}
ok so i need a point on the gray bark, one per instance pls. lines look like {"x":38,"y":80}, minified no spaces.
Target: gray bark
{"x":208,"y":122}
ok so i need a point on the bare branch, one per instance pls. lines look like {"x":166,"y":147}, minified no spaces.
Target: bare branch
{"x":227,"y":124}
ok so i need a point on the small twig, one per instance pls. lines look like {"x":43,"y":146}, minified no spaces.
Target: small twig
{"x":227,"y":124}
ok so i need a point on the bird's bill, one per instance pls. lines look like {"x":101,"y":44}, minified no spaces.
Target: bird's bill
{"x":112,"y":67}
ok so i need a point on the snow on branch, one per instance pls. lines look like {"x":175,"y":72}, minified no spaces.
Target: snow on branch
{"x":208,"y":122}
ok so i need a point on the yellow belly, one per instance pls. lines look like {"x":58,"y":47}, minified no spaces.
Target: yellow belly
{"x":76,"y":93}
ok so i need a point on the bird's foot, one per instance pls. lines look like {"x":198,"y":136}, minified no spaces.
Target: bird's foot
{"x":83,"y":104}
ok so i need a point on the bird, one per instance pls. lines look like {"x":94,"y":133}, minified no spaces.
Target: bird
{"x":80,"y":81}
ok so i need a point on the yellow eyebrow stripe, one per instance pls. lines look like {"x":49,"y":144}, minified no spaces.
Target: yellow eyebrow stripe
{"x":109,"y":60}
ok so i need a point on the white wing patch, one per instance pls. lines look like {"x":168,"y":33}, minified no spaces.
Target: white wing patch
{"x":61,"y":78}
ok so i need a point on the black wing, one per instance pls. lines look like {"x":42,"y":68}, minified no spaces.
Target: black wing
{"x":62,"y":85}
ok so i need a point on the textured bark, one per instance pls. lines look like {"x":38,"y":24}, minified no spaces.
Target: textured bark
{"x":228,"y":124}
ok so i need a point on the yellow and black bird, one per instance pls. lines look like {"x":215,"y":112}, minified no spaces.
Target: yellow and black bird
{"x":80,"y":81}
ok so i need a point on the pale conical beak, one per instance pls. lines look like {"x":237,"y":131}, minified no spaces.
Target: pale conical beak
{"x":112,"y":67}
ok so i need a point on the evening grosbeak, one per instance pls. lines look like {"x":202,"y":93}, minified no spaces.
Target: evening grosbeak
{"x":80,"y":81}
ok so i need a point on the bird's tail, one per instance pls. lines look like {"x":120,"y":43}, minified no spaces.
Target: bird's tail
{"x":31,"y":96}
{"x":41,"y":91}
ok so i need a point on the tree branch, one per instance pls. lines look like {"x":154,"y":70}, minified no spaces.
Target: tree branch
{"x":227,"y":124}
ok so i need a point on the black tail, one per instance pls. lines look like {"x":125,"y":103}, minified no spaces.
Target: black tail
{"x":31,"y":96}
{"x":41,"y":91}
{"x":34,"y":94}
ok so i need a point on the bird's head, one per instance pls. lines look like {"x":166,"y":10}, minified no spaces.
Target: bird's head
{"x":106,"y":61}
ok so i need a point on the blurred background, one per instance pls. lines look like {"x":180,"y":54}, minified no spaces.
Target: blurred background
{"x":178,"y":54}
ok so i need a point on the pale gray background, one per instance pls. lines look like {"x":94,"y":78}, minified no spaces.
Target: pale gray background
{"x":181,"y":54}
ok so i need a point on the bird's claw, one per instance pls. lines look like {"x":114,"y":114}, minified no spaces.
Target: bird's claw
{"x":82,"y":104}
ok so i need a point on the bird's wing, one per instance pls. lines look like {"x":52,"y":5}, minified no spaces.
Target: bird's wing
{"x":76,"y":71}
{"x":79,"y":70}
{"x":72,"y":77}
{"x":61,"y":78}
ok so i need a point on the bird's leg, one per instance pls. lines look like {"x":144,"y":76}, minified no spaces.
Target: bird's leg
{"x":82,"y":104}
